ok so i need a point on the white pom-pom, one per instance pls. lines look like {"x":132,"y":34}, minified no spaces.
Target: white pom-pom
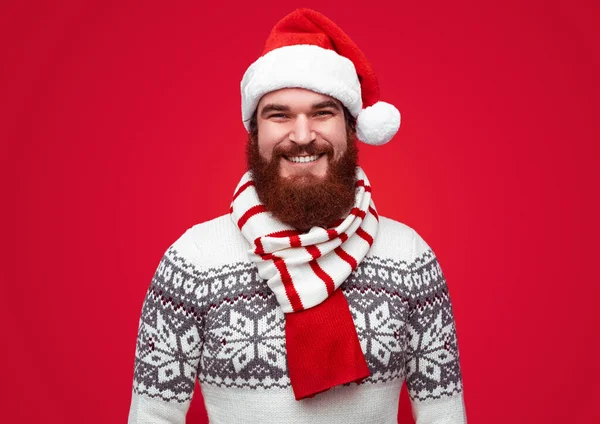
{"x":377,"y":124}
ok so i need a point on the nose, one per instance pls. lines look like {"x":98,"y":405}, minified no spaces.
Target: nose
{"x":302,"y":132}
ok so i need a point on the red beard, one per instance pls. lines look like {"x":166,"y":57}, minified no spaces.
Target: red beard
{"x":305,"y":201}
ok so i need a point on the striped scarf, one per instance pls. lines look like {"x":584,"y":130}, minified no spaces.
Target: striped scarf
{"x":304,"y":270}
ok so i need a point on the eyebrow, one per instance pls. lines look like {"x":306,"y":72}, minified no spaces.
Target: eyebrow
{"x":274,"y":107}
{"x":325,"y":104}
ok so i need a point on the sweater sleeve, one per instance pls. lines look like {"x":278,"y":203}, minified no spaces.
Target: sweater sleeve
{"x":169,"y":340}
{"x":433,"y":373}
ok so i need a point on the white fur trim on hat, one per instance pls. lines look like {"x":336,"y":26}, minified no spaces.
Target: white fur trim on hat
{"x":377,"y":124}
{"x":301,"y":66}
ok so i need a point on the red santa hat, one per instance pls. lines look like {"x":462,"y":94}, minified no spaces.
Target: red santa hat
{"x":307,"y":50}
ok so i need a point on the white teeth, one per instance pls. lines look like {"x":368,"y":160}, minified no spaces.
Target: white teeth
{"x":303,"y":159}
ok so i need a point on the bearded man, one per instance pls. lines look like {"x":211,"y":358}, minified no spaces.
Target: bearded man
{"x":302,"y":305}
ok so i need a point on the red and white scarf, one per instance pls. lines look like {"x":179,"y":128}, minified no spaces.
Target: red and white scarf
{"x":304,"y":270}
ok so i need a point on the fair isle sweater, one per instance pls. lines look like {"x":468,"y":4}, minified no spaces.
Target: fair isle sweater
{"x":208,"y":315}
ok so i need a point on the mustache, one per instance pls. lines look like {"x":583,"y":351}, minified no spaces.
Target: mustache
{"x":308,"y":149}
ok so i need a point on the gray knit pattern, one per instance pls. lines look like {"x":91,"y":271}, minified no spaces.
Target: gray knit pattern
{"x":224,"y":325}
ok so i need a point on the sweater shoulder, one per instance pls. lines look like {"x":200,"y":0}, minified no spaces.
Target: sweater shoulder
{"x":397,"y":241}
{"x":212,"y":243}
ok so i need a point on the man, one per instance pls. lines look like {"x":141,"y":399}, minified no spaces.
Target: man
{"x":302,"y":305}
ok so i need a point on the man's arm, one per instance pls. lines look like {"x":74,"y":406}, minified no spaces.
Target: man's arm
{"x":433,"y":373}
{"x":169,"y":341}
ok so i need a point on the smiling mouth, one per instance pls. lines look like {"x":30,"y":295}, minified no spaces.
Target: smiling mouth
{"x":303,"y":159}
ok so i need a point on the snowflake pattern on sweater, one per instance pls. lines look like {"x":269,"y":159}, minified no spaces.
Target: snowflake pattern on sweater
{"x":223,"y":325}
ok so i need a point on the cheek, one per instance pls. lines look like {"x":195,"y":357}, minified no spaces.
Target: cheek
{"x":338,"y":140}
{"x":267,"y":140}
{"x":264,"y":149}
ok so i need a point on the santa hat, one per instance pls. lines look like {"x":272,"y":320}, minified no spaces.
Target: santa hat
{"x":307,"y":50}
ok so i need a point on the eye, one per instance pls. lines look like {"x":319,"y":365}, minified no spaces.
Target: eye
{"x":324,"y":113}
{"x":277,"y":115}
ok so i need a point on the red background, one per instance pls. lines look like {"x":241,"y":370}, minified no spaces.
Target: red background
{"x":121,"y":128}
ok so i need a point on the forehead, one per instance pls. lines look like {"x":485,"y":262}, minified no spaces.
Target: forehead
{"x":294,"y":97}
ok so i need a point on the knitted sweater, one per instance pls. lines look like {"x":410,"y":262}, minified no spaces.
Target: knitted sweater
{"x":208,"y":314}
